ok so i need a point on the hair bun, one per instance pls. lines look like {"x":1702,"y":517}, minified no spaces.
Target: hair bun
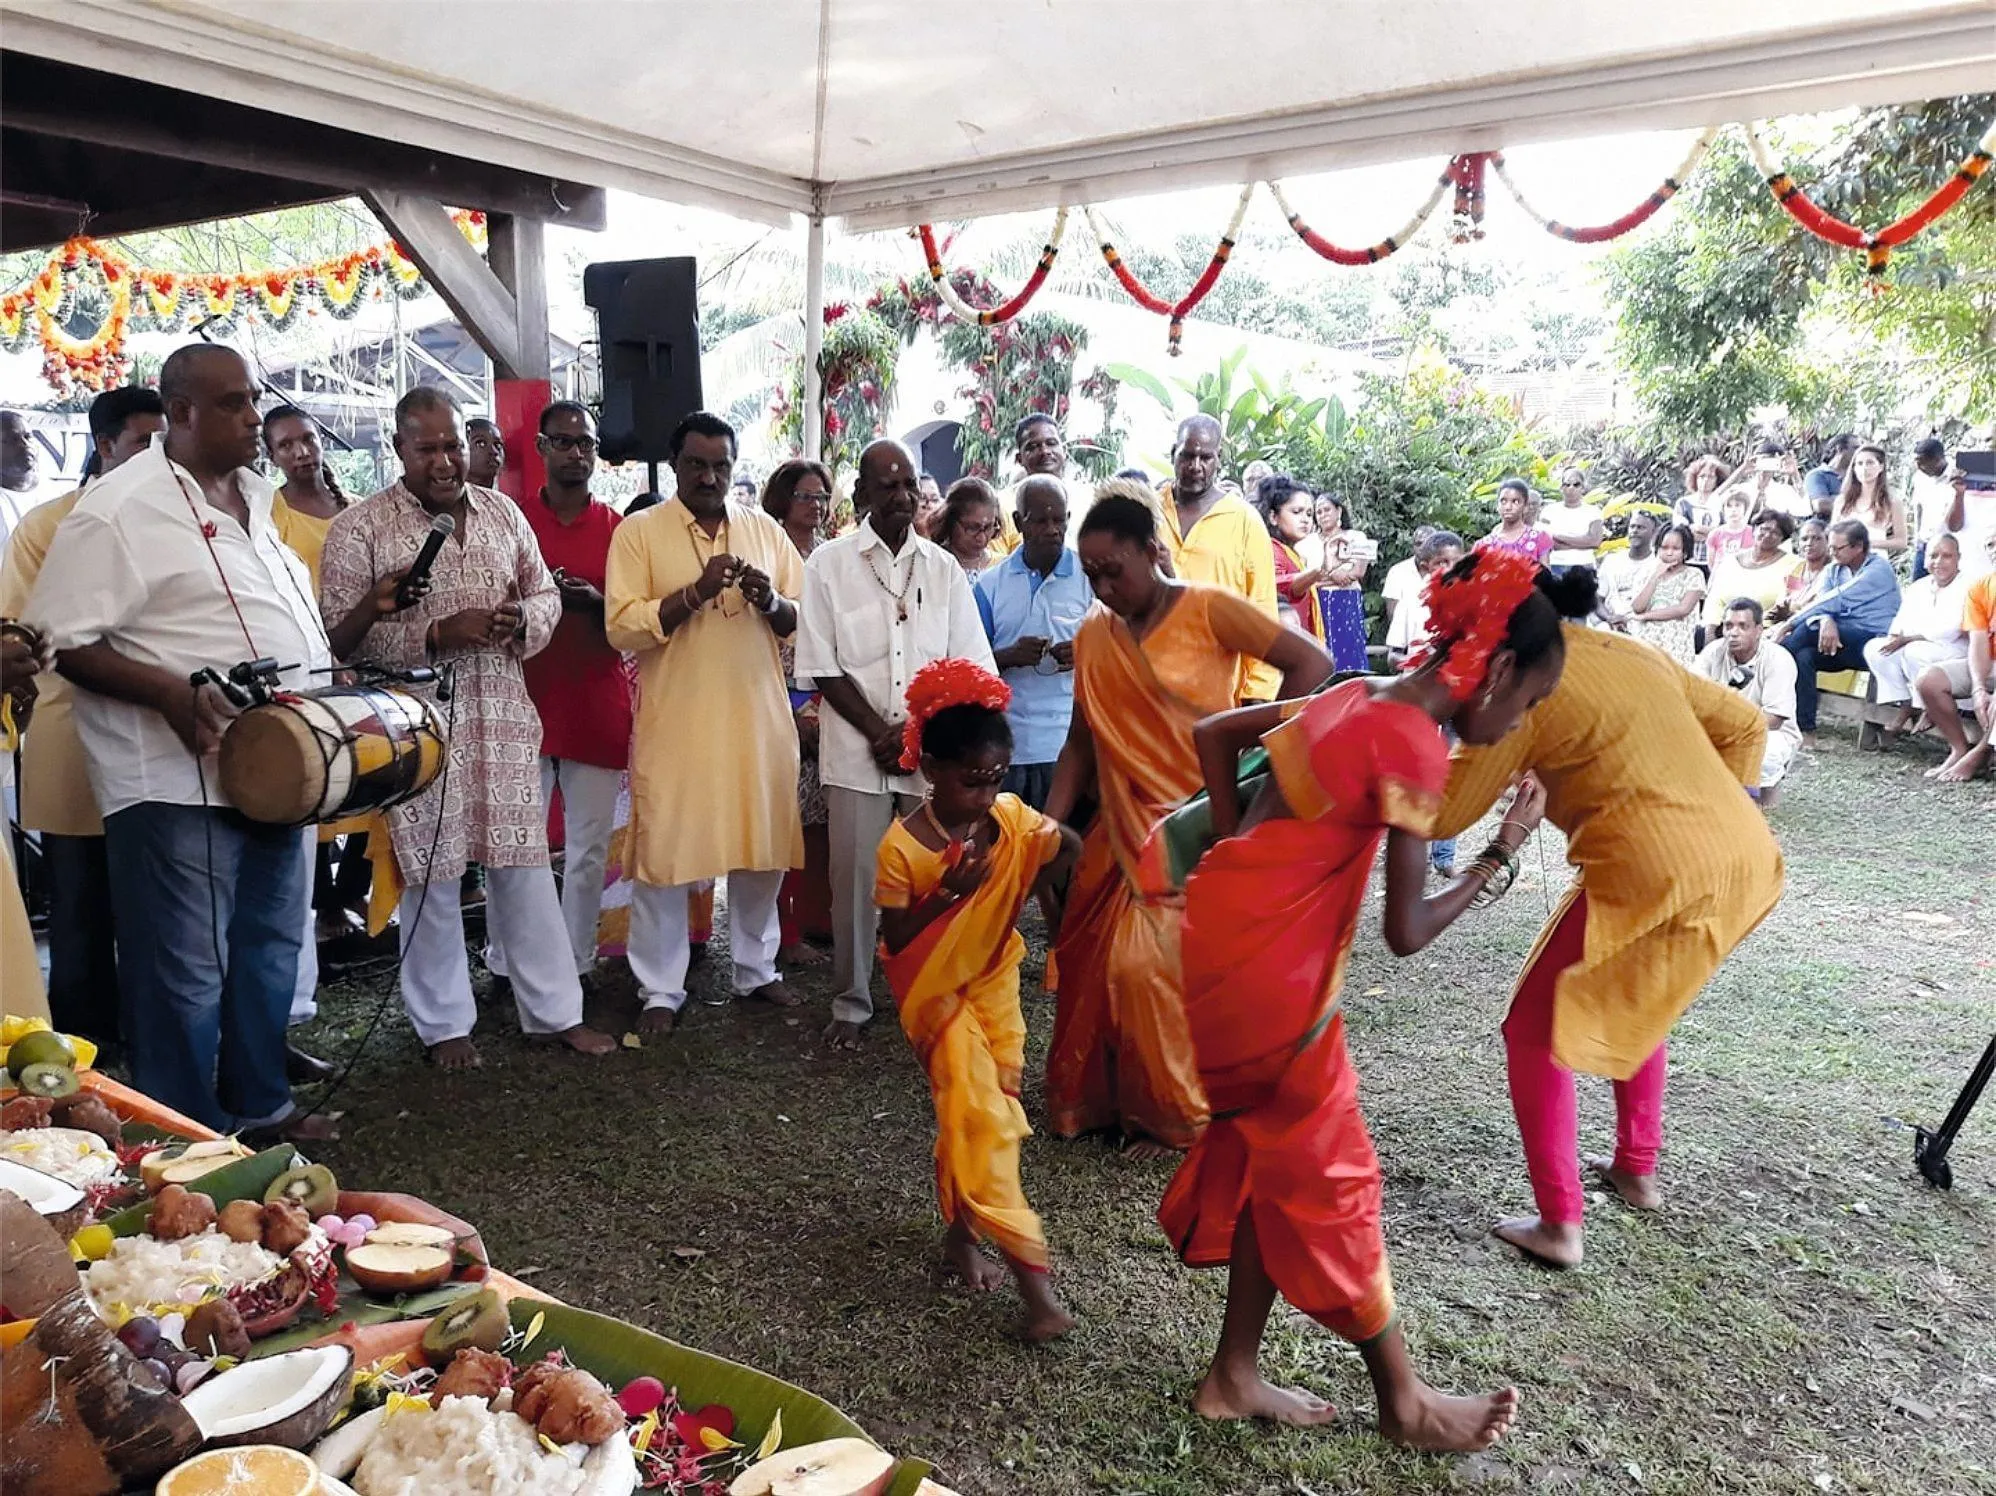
{"x":1575,"y":594}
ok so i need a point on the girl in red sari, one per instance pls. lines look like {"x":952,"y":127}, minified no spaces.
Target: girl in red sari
{"x":1284,"y":1187}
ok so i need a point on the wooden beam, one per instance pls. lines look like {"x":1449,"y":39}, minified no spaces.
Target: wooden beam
{"x":516,"y":249}
{"x":423,"y":227}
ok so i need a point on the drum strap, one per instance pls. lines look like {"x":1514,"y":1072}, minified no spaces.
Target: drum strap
{"x":207,"y":528}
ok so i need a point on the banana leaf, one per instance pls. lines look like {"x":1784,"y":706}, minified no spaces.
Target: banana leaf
{"x":356,"y":1308}
{"x":245,"y":1179}
{"x":616,"y":1353}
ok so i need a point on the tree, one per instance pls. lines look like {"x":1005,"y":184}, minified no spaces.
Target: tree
{"x":1733,"y":307}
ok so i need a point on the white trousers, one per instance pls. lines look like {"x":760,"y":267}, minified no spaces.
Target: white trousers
{"x":659,"y":948}
{"x":588,"y":818}
{"x":1780,"y":755}
{"x":1896,"y":672}
{"x":855,"y":823}
{"x":524,"y":918}
{"x":305,"y":994}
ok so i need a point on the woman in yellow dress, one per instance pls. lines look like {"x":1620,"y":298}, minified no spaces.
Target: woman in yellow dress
{"x":1646,"y":769}
{"x":952,"y":878}
{"x":1159,"y":656}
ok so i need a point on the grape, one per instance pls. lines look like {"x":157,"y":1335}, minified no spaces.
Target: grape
{"x":140,"y":1334}
{"x":161,"y":1370}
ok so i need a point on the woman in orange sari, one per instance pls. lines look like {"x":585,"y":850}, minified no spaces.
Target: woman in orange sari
{"x":951,"y":880}
{"x":1159,"y":656}
{"x":1284,"y":1187}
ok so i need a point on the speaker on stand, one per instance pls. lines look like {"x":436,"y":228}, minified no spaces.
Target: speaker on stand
{"x":648,"y":331}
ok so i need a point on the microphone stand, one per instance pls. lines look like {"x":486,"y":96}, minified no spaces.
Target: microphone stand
{"x":1930,"y":1149}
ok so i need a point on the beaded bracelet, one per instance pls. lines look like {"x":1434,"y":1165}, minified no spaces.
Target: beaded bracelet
{"x":1498,"y":866}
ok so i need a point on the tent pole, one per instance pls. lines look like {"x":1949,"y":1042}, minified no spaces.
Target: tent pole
{"x":814,"y":337}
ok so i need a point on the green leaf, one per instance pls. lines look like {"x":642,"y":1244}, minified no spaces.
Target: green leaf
{"x":245,"y":1179}
{"x":1141,"y":379}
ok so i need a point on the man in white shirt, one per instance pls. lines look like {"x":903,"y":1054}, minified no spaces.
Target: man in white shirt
{"x":168,"y":566}
{"x":1930,"y":499}
{"x":1763,"y":672}
{"x":879,"y":604}
{"x":20,"y":472}
{"x":1621,"y":572}
{"x":1575,"y":524}
{"x":1404,"y":579}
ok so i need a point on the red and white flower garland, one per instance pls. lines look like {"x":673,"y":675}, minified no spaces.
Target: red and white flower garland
{"x":1373,"y":253}
{"x":1008,"y":309}
{"x":1632,"y":219}
{"x":1149,"y":300}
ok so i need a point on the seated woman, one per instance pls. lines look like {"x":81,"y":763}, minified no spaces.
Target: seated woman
{"x":1762,"y":571}
{"x":1926,"y":631}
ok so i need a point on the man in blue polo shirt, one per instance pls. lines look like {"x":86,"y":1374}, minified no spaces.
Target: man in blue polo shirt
{"x":1859,"y":598}
{"x":1032,"y":604}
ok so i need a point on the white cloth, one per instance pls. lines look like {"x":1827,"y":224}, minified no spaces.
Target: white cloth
{"x":305,"y":991}
{"x":132,"y":568}
{"x":855,"y":823}
{"x":1571,"y":519}
{"x":1409,"y":626}
{"x":1618,"y":578}
{"x":1768,"y":681}
{"x":1895,"y":673}
{"x":1928,"y":501}
{"x":1777,"y":495}
{"x":588,"y":821}
{"x":523,"y":913}
{"x":1932,"y":612}
{"x":850,"y":624}
{"x":660,"y":947}
{"x":1403,"y":580}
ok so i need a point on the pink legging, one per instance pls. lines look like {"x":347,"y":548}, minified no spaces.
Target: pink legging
{"x":1542,"y":1089}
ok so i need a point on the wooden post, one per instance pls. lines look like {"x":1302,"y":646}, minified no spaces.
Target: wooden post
{"x":521,"y":388}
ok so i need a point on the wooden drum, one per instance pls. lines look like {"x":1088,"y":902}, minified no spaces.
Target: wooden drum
{"x":329,"y":754}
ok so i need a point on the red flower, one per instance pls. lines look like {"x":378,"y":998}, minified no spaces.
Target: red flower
{"x":208,"y":528}
{"x":714,"y":1416}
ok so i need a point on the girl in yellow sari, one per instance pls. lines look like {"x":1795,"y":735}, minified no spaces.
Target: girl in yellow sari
{"x":1160,"y":656}
{"x":952,"y":877}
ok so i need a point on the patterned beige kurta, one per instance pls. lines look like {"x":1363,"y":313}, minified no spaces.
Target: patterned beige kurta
{"x":491,"y":794}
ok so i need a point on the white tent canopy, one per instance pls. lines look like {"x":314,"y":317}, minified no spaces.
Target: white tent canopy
{"x":886,"y":112}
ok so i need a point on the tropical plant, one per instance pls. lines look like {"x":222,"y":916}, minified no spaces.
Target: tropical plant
{"x":1259,"y":422}
{"x":856,"y":366}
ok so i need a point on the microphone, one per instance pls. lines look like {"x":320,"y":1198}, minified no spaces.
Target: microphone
{"x":441,"y":529}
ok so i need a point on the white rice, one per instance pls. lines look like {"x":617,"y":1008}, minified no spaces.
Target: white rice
{"x":465,"y":1449}
{"x":81,"y":1158}
{"x":143,"y":1272}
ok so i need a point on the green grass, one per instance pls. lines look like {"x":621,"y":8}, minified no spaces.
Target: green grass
{"x":1805,"y":1314}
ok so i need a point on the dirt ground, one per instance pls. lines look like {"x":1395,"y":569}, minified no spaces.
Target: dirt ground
{"x":1805,"y":1314}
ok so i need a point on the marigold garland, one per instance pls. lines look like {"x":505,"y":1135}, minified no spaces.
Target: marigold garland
{"x":1149,"y":300}
{"x":1877,"y":246}
{"x":1005,"y":311}
{"x":1372,"y":254}
{"x":1634,"y":218}
{"x":167,"y":300}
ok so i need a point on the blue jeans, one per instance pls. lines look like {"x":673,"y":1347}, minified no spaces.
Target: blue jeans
{"x":1801,"y":643}
{"x":210,"y":914}
{"x":1919,"y":560}
{"x":1032,"y":783}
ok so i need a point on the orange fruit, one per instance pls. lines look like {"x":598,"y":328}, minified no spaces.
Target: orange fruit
{"x":252,"y":1470}
{"x":15,"y":1331}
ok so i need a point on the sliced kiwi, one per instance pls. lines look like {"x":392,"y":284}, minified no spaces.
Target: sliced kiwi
{"x":39,"y":1047}
{"x":477,"y":1322}
{"x":48,"y":1080}
{"x":311,"y":1186}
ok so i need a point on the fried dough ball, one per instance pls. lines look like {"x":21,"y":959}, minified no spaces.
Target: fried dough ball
{"x":473,"y":1373}
{"x":86,"y":1111}
{"x":527,"y":1381}
{"x":570,"y":1407}
{"x":241,"y":1220}
{"x":215,"y":1328}
{"x":25,"y":1111}
{"x":285,"y":1227}
{"x":178,"y":1212}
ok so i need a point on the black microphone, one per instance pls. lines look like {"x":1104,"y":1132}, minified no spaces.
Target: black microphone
{"x":441,"y":529}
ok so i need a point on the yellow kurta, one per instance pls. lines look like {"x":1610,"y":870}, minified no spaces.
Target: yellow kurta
{"x":55,"y":780}
{"x":1229,"y":547}
{"x":956,"y":987}
{"x":22,"y":993}
{"x":1644,"y":766}
{"x":714,"y":751}
{"x":304,"y":533}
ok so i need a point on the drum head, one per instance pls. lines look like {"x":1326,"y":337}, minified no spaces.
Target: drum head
{"x":271,"y":768}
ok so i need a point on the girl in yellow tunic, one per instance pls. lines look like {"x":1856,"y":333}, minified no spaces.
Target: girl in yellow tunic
{"x":1645,"y":768}
{"x":952,"y":878}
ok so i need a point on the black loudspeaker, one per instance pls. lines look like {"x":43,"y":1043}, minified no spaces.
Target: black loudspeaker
{"x":648,"y":326}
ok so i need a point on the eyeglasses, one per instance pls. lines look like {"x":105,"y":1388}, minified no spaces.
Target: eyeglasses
{"x":562,"y":442}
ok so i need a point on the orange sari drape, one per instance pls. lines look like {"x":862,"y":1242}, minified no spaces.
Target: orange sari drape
{"x":956,"y":986}
{"x":1120,"y":1053}
{"x":1269,"y":922}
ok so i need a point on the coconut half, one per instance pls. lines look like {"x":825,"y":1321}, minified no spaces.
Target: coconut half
{"x":389,"y":1269}
{"x":56,"y":1201}
{"x":339,"y":1453}
{"x":288,"y":1399}
{"x":835,"y":1467}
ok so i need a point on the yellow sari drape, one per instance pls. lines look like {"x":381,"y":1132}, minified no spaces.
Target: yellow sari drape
{"x":956,"y":986}
{"x":22,"y":992}
{"x":1121,"y":1054}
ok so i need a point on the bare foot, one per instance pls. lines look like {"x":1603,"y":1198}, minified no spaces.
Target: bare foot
{"x":1809,"y":741}
{"x":775,"y":994}
{"x":842,"y":1033}
{"x":585,"y":1040}
{"x":1046,"y":1317}
{"x":1553,"y":1245}
{"x":657,"y":1020}
{"x":1638,"y":1191}
{"x":1966,"y":767}
{"x":1456,"y":1425}
{"x":455,"y":1054}
{"x":1221,"y":1395}
{"x":801,"y":954}
{"x":979,"y":1273}
{"x":1144,"y":1149}
{"x":1944,"y":766}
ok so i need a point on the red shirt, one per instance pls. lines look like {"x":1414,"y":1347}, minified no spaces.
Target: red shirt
{"x":583,"y":689}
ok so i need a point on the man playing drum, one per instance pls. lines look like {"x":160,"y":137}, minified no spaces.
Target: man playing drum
{"x":490,"y":602}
